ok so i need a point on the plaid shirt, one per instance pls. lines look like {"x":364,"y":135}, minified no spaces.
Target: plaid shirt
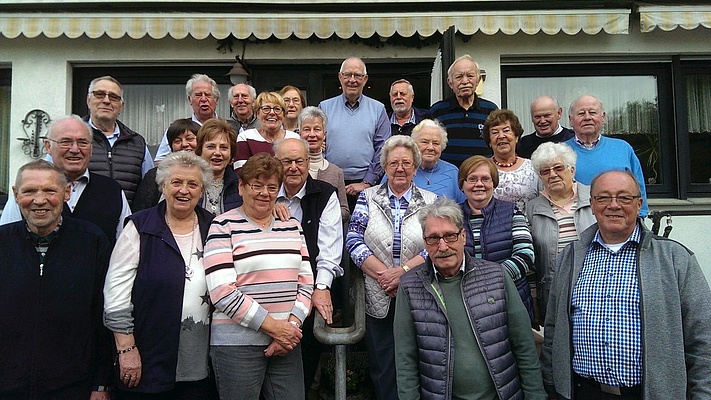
{"x":605,"y":311}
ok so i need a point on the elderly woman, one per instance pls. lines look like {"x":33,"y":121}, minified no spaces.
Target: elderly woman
{"x":155,"y":289}
{"x":437,"y":176}
{"x":496,"y":229}
{"x":295,"y":102}
{"x":182,"y":135}
{"x":385,"y":240}
{"x":260,"y":281}
{"x":216,"y":145}
{"x":518,"y":181}
{"x":558,"y":214}
{"x":270,"y":108}
{"x":312,"y":128}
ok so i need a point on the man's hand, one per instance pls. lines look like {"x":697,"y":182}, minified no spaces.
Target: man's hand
{"x":321,"y":300}
{"x":355,"y":188}
{"x":281,"y":211}
{"x":99,"y":396}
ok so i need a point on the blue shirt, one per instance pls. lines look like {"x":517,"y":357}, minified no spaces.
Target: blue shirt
{"x":605,"y":314}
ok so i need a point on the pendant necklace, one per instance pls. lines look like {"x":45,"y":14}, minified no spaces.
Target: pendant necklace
{"x":188,"y":269}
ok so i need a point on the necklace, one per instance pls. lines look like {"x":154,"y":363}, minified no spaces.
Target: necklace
{"x":260,"y":224}
{"x":431,"y":172}
{"x":213,"y":195}
{"x":505,"y":165}
{"x":188,"y":269}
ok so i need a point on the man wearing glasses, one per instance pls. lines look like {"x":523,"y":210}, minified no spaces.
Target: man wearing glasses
{"x":460,"y":328}
{"x":315,"y":205}
{"x":118,"y":152}
{"x":357,"y":128}
{"x":628,"y":313}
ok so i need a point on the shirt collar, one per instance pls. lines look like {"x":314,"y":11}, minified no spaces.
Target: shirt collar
{"x":557,"y":131}
{"x":587,"y":145}
{"x":348,"y":104}
{"x":300,"y":194}
{"x":393,"y":118}
{"x":635,"y":237}
{"x":116,"y":132}
{"x":407,"y":195}
{"x":438,"y":275}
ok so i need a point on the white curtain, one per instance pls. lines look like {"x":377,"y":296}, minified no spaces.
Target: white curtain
{"x":436,"y":80}
{"x":698,"y":95}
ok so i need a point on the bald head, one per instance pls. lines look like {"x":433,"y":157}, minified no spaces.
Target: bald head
{"x":545,"y":115}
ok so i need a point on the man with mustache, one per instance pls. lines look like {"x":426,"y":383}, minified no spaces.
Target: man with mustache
{"x":598,"y":153}
{"x":404,"y":116}
{"x":628,"y":312}
{"x":464,"y":114}
{"x":460,"y":328}
{"x":545,"y":114}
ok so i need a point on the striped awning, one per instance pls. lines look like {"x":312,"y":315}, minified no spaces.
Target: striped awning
{"x":668,"y":18}
{"x":282,"y":26}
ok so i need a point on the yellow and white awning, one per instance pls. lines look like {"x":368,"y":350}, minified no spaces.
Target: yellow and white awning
{"x":668,"y":18}
{"x":282,"y":26}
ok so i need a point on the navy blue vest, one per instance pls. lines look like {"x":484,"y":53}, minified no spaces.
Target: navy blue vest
{"x":100,"y":203}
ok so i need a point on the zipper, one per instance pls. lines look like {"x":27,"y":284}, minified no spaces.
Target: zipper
{"x":111,"y":163}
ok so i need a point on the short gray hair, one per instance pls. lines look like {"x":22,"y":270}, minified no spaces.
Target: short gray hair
{"x":252,"y":90}
{"x":548,"y":152}
{"x":186,"y":159}
{"x":72,"y":117}
{"x":622,"y":171}
{"x":431,"y":124}
{"x":409,"y":85}
{"x":462,"y":58}
{"x":40,"y":165}
{"x":400,"y":141}
{"x":572,"y":105}
{"x":443,"y":208}
{"x":202,"y":78}
{"x":365,"y":71}
{"x":280,"y":142}
{"x":312,"y":112}
{"x":105,"y":78}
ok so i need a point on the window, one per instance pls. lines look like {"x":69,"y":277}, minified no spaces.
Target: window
{"x":636,"y":99}
{"x":694,"y":124}
{"x":4,"y":133}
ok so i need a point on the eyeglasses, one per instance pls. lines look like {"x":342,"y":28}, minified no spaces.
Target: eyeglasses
{"x":624,"y":200}
{"x":300,"y":162}
{"x":557,"y":168}
{"x":258,"y":187}
{"x":68,"y":143}
{"x":403,"y":164}
{"x":197,"y":95}
{"x":294,"y":100}
{"x":268,"y":109}
{"x":348,"y":75}
{"x":448,"y":238}
{"x":100,"y":94}
{"x":474,"y":179}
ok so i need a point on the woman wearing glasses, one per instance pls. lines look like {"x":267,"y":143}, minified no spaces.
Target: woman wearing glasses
{"x":260,"y":281}
{"x":216,"y":145}
{"x":385,"y":240}
{"x":270,"y":108}
{"x":496,"y":230}
{"x":295,"y":102}
{"x":558,"y":215}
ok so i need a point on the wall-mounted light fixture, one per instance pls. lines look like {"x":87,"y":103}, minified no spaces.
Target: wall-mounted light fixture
{"x":35,"y":122}
{"x":238,"y":73}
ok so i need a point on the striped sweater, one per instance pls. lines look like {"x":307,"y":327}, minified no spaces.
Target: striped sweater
{"x":252,"y":273}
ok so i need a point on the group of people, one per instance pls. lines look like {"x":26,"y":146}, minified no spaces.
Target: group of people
{"x":207,"y":270}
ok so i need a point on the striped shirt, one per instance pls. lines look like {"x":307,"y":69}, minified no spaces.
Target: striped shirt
{"x":252,"y":273}
{"x":606,"y":314}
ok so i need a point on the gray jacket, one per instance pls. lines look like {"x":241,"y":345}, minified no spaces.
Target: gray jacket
{"x":544,"y":230}
{"x":675,"y":316}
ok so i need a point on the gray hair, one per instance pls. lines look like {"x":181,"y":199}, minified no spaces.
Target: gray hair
{"x":105,"y":78}
{"x":280,"y":142}
{"x":572,"y":105}
{"x":186,"y":159}
{"x":40,"y":165}
{"x":548,"y":152}
{"x":442,"y":208}
{"x":252,"y":90}
{"x":73,"y":117}
{"x":202,"y":78}
{"x":622,"y":171}
{"x":430,"y":124}
{"x":312,"y":112}
{"x":365,"y":71}
{"x":400,"y":141}
{"x":409,"y":85}
{"x":462,"y":58}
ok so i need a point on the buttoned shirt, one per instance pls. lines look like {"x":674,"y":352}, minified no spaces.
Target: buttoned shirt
{"x":606,"y":314}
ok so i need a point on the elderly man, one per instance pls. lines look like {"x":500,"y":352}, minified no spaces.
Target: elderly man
{"x":51,"y":280}
{"x":461,"y":331}
{"x":545,"y":114}
{"x":93,"y":197}
{"x":404,"y":116}
{"x":315,"y":204}
{"x":118,"y":152}
{"x":628,"y":315}
{"x":357,"y":128}
{"x":203,"y":96}
{"x":464,"y":114}
{"x":242,"y":116}
{"x":597,"y":153}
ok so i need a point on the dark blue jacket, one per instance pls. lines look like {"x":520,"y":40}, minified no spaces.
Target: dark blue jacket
{"x":157,"y":298}
{"x":100,"y":203}
{"x":406,"y":129}
{"x":482,"y":282}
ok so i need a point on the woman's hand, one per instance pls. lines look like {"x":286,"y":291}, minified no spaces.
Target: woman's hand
{"x":284,"y":333}
{"x":389,"y":280}
{"x":281,"y":211}
{"x":275,"y":349}
{"x":130,"y":368}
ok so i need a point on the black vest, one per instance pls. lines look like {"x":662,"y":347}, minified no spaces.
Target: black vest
{"x":100,"y":203}
{"x":312,"y":205}
{"x":122,"y":161}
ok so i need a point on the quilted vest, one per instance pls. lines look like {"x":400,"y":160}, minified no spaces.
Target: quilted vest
{"x":485,"y":301}
{"x":379,"y":238}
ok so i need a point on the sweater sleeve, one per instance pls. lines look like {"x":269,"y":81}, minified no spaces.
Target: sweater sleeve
{"x":118,"y":309}
{"x":522,"y":257}
{"x":243,"y":151}
{"x":355,"y":242}
{"x":406,"y":358}
{"x":522,"y":344}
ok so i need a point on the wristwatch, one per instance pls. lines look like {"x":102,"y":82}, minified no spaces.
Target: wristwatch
{"x":321,"y":286}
